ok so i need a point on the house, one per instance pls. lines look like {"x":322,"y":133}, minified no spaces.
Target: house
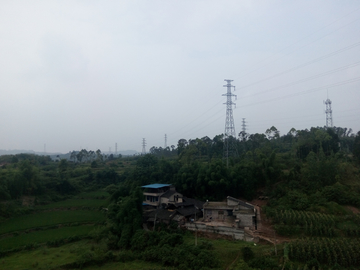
{"x":161,"y":195}
{"x":162,"y":203}
{"x":236,"y":212}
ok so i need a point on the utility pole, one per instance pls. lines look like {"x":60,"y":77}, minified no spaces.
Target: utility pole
{"x":328,"y":112}
{"x":230,"y":134}
{"x":143,"y":146}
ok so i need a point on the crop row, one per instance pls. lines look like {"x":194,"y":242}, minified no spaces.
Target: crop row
{"x":48,"y":219}
{"x":50,"y":236}
{"x":330,"y":251}
{"x":303,"y":218}
{"x":308,"y":229}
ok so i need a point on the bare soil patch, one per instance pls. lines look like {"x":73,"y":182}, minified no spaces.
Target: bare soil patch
{"x":353,"y":209}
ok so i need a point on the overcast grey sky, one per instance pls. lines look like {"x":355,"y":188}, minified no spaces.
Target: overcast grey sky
{"x":89,"y":74}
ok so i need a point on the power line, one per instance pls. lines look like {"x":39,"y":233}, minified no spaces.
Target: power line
{"x":305,"y":64}
{"x":346,"y":15}
{"x":306,"y":91}
{"x":305,"y":79}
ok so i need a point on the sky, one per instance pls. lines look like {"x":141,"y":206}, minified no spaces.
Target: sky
{"x":88,"y":74}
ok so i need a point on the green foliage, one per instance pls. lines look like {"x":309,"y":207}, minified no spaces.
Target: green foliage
{"x":48,"y":219}
{"x":263,"y":262}
{"x":126,"y":217}
{"x":356,"y":148}
{"x":344,"y":252}
{"x":290,"y":222}
{"x":247,"y":253}
{"x":170,"y":250}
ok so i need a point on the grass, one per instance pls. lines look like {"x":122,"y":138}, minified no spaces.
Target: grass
{"x":53,"y":258}
{"x":44,"y":236}
{"x":92,"y":203}
{"x":228,"y":250}
{"x":134,"y":265}
{"x":45,"y":258}
{"x":48,"y":219}
{"x":93,"y":194}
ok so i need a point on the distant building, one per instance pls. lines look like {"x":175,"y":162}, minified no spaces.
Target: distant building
{"x":162,"y":203}
{"x":237,"y":212}
{"x":161,"y":195}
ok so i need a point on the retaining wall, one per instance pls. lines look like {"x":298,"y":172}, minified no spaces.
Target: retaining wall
{"x":235,"y":233}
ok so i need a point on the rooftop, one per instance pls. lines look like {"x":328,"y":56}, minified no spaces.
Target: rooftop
{"x":156,"y":186}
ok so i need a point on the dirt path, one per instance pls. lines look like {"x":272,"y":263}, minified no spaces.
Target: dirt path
{"x":265,"y":229}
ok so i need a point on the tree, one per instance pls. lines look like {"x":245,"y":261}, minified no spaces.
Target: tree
{"x":182,"y":144}
{"x":63,"y":166}
{"x":80,"y":156}
{"x":126,"y":218}
{"x":99,"y":156}
{"x":73,"y":156}
{"x":356,"y":150}
{"x":272,"y":133}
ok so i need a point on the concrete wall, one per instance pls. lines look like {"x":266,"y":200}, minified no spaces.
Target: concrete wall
{"x":172,"y":198}
{"x":245,"y":220}
{"x":235,"y":233}
{"x":215,"y":214}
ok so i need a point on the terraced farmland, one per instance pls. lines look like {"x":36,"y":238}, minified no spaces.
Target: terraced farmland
{"x":69,"y":218}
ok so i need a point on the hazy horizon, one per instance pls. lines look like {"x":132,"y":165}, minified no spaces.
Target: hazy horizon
{"x":89,"y":74}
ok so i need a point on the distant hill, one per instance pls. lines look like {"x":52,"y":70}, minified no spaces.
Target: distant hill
{"x":15,"y":151}
{"x":61,"y":155}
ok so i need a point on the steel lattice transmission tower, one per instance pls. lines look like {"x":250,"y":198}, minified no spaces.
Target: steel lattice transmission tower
{"x":243,"y":126}
{"x":328,"y":111}
{"x":143,"y":152}
{"x":230,"y":134}
{"x":165,"y":145}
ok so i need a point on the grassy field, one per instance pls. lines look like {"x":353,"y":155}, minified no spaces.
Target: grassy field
{"x":92,"y":203}
{"x":45,"y":258}
{"x":53,"y":258}
{"x":93,"y":194}
{"x":43,"y":219}
{"x":228,"y":250}
{"x":44,"y":236}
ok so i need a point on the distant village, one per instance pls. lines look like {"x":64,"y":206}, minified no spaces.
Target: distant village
{"x":233,"y":217}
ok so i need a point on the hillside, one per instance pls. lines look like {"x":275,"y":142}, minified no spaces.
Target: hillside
{"x":306,"y":182}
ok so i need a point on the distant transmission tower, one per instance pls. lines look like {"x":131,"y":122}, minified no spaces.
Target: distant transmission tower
{"x":243,"y":126}
{"x":115,"y":149}
{"x":143,"y":147}
{"x":165,"y":141}
{"x":328,"y":112}
{"x":242,"y":134}
{"x":230,"y":134}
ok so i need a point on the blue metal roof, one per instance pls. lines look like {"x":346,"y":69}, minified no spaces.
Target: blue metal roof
{"x":156,"y":186}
